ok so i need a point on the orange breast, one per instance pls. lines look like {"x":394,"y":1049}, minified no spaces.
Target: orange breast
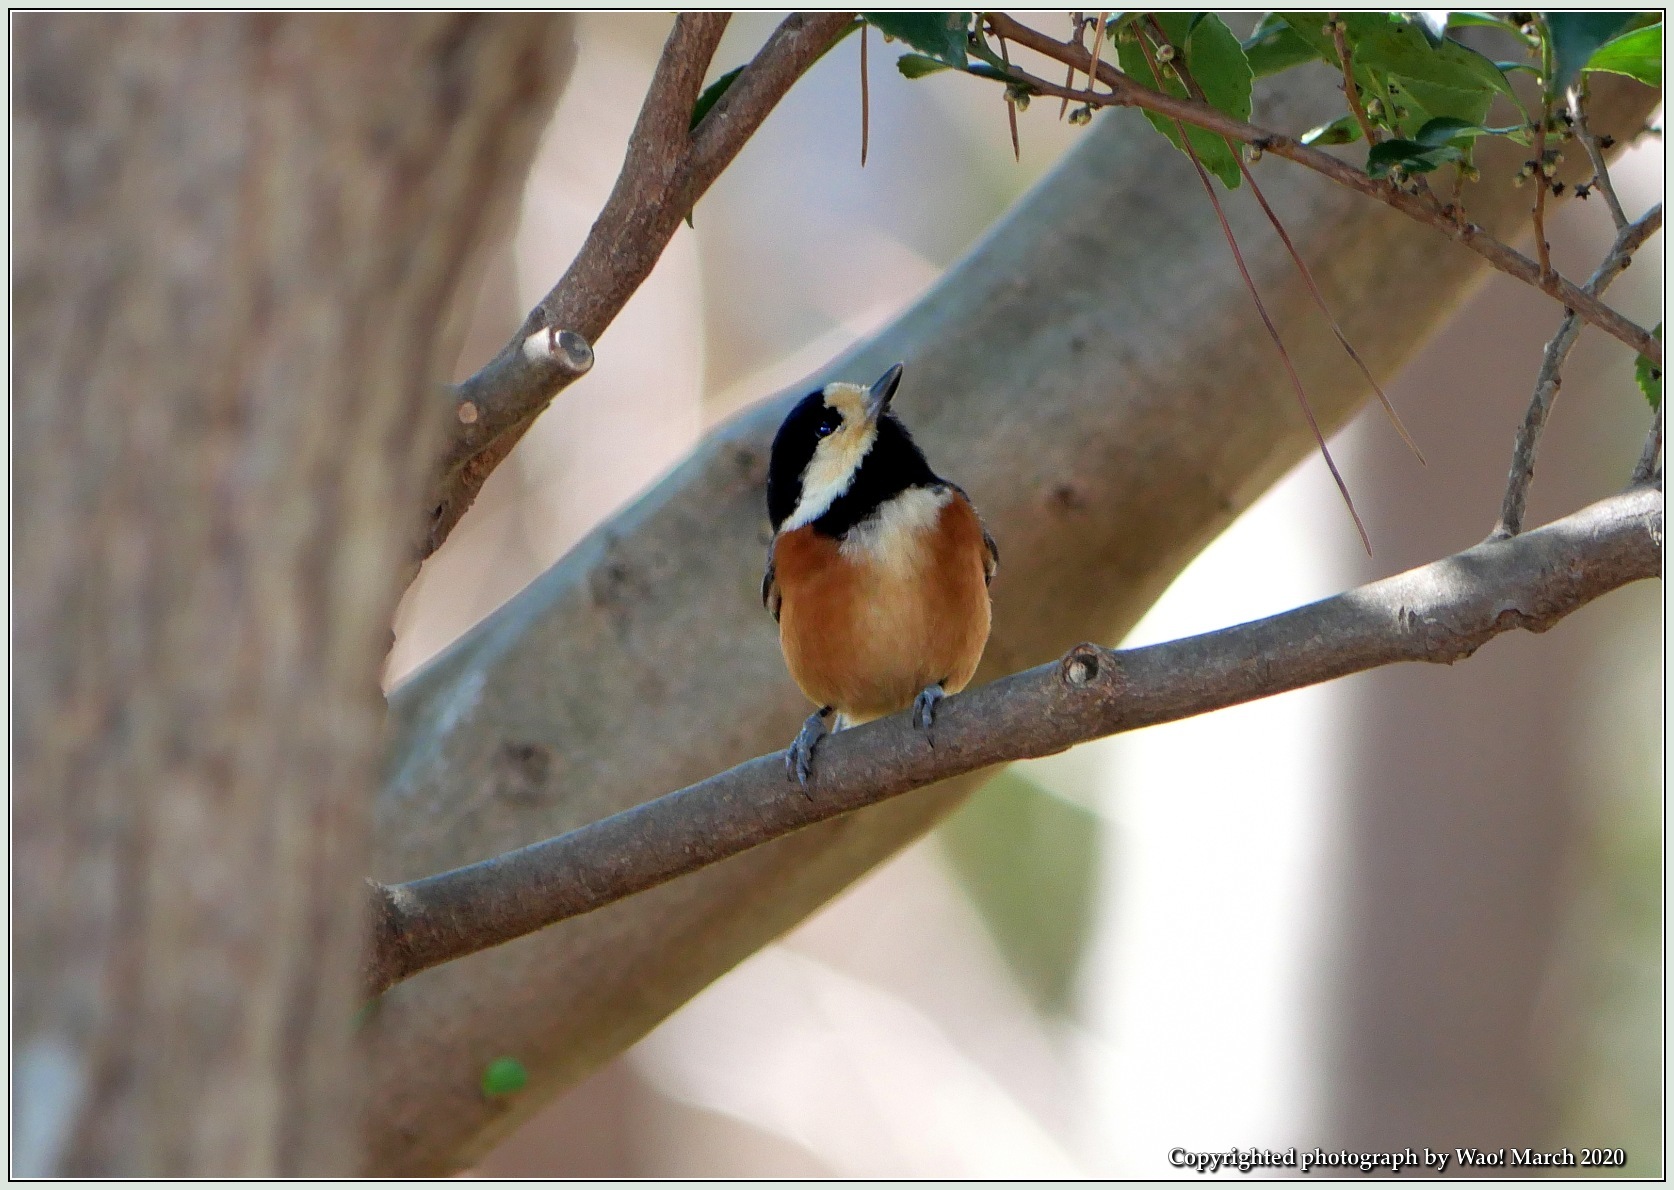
{"x":901,"y":604}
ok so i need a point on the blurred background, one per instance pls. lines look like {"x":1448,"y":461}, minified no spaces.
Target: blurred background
{"x":1306,"y":921}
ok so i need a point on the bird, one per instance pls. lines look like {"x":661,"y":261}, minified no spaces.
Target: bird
{"x":879,"y":569}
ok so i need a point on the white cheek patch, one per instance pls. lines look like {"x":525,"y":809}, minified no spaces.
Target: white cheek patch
{"x":829,"y":473}
{"x":892,"y":537}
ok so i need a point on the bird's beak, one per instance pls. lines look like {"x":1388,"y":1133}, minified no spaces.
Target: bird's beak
{"x":877,"y":399}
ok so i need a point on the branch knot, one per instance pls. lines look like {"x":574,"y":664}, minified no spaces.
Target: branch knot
{"x":1081,"y":666}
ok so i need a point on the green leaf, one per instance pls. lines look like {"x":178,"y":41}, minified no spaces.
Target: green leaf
{"x":1403,"y":50}
{"x":1310,"y":27}
{"x":916,"y":66}
{"x":1460,"y":20}
{"x":1649,"y":376}
{"x":1344,"y":130}
{"x":711,"y":94}
{"x":1216,"y":60}
{"x":1395,"y":64}
{"x":1029,"y":861}
{"x":1431,"y":23}
{"x":503,"y":1076}
{"x":1637,"y":55}
{"x":1274,"y":46}
{"x":1439,"y":131}
{"x":1119,"y":21}
{"x":1575,"y":36}
{"x":1409,"y":155}
{"x":939,"y":35}
{"x":1372,"y":84}
{"x":1426,"y":101}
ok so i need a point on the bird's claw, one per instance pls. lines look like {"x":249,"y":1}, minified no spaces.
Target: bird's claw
{"x":799,"y":757}
{"x":924,"y":708}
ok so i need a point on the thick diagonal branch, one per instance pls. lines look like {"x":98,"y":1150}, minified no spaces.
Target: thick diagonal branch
{"x":1550,"y":376}
{"x":1442,"y":612}
{"x":669,"y":167}
{"x":1124,"y":92}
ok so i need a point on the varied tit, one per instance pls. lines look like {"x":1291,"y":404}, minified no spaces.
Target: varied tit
{"x":879,"y":569}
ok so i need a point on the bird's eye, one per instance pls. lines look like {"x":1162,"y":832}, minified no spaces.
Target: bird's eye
{"x":829,"y":423}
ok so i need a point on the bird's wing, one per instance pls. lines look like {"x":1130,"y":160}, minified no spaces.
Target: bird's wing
{"x":770,"y":586}
{"x":991,"y":559}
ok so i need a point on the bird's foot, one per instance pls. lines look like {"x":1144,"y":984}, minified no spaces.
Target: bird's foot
{"x":924,"y":709}
{"x":799,"y":758}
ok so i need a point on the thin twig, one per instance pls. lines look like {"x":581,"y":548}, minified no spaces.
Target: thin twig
{"x":669,"y":166}
{"x":1098,"y":48}
{"x":1649,"y":467}
{"x":1261,"y":307}
{"x":1078,"y":25}
{"x":1550,"y":377}
{"x":1350,"y":90}
{"x":1127,"y":93}
{"x":1302,"y":267}
{"x":1011,"y":103}
{"x":1601,"y":171}
{"x":865,"y":96}
{"x":1548,"y":96}
{"x":1442,"y":612}
{"x":1543,"y":250}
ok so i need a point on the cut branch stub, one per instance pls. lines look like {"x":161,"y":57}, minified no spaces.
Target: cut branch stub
{"x":668,"y":167}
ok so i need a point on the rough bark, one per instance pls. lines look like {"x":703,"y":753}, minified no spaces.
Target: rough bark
{"x":1092,"y":373}
{"x":240,"y":244}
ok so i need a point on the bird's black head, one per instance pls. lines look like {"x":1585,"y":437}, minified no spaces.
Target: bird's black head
{"x":838,"y":455}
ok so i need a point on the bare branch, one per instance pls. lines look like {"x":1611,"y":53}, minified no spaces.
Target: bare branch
{"x":1601,"y":171}
{"x":865,"y":97}
{"x":1442,"y":612}
{"x":1127,"y":93}
{"x":1350,"y":90}
{"x":1078,"y":23}
{"x":1649,"y":467}
{"x":669,"y":167}
{"x":1543,"y":250}
{"x":1550,"y":376}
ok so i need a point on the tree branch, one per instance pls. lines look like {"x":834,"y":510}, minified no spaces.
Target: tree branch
{"x":1550,"y":376}
{"x":1442,"y":612}
{"x":1646,"y":469}
{"x":1350,"y":90}
{"x":642,"y":661}
{"x":1601,"y":171}
{"x":669,"y":167}
{"x":1127,"y":93}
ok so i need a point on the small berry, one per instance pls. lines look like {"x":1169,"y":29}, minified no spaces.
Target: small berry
{"x":1165,"y":53}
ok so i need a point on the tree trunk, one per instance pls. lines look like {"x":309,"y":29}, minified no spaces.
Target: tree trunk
{"x":240,"y":245}
{"x":1093,"y":373}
